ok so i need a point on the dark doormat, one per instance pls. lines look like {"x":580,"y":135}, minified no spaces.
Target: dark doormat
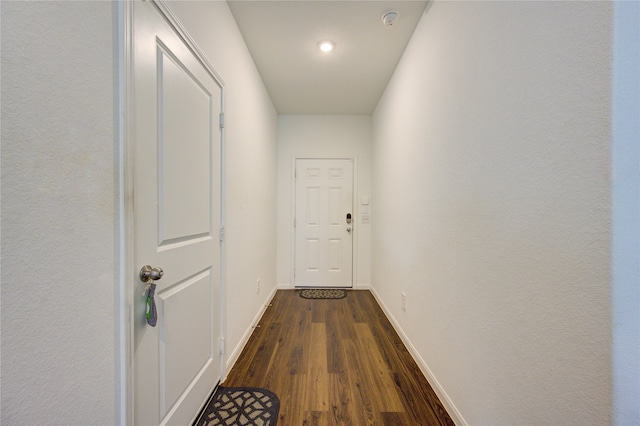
{"x":323,"y":293}
{"x":241,"y":406}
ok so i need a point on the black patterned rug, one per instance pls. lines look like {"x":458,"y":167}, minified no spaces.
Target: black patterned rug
{"x":323,"y":293}
{"x":241,"y":406}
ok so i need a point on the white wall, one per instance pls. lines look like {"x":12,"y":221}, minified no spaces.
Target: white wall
{"x":493,"y":140}
{"x":626,"y":214}
{"x":59,"y":281}
{"x":250,"y":160}
{"x":323,"y":136}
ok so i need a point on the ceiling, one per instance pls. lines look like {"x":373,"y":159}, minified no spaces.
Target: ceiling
{"x":283,"y":38}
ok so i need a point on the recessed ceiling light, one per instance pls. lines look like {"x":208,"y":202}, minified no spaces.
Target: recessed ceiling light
{"x":326,"y":45}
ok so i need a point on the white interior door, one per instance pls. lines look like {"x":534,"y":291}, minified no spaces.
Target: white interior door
{"x":324,"y":223}
{"x":176,"y":143}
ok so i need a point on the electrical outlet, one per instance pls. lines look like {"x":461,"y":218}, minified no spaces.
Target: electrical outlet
{"x":403,"y":301}
{"x":258,"y":286}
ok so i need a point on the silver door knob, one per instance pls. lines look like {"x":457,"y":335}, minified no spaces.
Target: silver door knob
{"x":147,"y":273}
{"x":348,"y":229}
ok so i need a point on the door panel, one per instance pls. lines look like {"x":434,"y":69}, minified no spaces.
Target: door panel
{"x":179,"y":307}
{"x":335,"y":255}
{"x":176,"y":162}
{"x":183,"y":168}
{"x":323,"y":238}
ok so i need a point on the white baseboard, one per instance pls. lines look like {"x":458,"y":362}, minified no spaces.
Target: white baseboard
{"x":437,"y":388}
{"x":289,"y":286}
{"x":233,"y":357}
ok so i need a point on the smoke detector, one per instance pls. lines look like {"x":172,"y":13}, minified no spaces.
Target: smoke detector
{"x":390,"y":18}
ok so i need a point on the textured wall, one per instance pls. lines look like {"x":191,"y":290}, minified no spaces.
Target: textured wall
{"x":250,"y":140}
{"x":323,"y":136}
{"x":493,"y":140}
{"x":58,"y":214}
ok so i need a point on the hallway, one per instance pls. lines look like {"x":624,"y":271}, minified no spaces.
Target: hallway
{"x":495,"y":206}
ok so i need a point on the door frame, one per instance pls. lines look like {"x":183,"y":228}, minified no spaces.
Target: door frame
{"x":354,"y":242}
{"x":126,"y":270}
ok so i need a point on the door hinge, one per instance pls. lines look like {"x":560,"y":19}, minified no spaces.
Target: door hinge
{"x":294,"y":223}
{"x":222,"y":120}
{"x":222,"y":234}
{"x":221,"y":345}
{"x":295,"y":173}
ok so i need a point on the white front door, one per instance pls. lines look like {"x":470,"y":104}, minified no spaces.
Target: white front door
{"x":176,"y":182}
{"x":324,"y":223}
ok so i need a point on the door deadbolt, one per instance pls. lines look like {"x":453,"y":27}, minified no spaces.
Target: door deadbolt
{"x":147,"y":273}
{"x":348,"y":217}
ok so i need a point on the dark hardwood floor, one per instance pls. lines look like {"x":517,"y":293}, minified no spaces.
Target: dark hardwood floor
{"x":336,"y":362}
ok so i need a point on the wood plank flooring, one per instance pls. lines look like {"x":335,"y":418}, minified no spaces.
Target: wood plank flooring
{"x":336,"y":362}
